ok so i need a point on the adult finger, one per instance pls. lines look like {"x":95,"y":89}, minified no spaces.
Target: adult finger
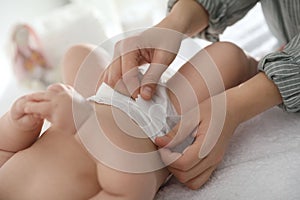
{"x":42,"y":108}
{"x":199,"y":181}
{"x":174,"y":137}
{"x":114,"y":71}
{"x":103,"y":77}
{"x":193,"y":167}
{"x":163,"y":141}
{"x":114,"y":77}
{"x":185,"y":176}
{"x":130,"y":72}
{"x":187,"y":126}
{"x":160,"y":62}
{"x":38,"y":96}
{"x":189,"y":158}
{"x":168,"y":156}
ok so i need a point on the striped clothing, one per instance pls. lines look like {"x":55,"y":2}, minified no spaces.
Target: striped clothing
{"x":283,"y":19}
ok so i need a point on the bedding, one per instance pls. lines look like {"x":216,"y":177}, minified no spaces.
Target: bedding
{"x":262,"y":162}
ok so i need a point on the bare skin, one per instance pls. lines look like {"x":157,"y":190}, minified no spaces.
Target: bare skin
{"x":57,"y":166}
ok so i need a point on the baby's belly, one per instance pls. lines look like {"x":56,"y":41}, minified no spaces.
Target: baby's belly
{"x":55,"y":167}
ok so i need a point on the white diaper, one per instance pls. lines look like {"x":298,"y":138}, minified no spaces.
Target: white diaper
{"x":156,"y":117}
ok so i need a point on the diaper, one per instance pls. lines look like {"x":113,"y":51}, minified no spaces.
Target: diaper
{"x":155,"y":117}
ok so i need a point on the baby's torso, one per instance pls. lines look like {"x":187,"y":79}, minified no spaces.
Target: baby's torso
{"x":54,"y":167}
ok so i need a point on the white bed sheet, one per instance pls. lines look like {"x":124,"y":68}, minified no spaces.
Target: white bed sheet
{"x":262,"y":162}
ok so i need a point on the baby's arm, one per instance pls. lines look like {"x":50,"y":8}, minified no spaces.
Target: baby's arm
{"x":62,"y":106}
{"x":18,"y":130}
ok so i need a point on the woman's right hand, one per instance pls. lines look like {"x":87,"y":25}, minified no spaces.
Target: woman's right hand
{"x":156,"y":46}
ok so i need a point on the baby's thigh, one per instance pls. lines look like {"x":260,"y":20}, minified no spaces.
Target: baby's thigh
{"x":133,"y":186}
{"x":135,"y":171}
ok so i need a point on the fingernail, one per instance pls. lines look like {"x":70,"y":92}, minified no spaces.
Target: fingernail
{"x":164,"y":140}
{"x":147,"y":91}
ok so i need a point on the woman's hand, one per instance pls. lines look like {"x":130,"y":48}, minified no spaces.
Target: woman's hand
{"x":156,"y":46}
{"x":61,"y":105}
{"x":198,"y":161}
{"x":195,"y":165}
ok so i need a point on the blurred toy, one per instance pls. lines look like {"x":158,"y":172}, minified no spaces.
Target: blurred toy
{"x":29,"y":63}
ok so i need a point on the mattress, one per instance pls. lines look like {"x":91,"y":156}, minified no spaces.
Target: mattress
{"x":262,"y":162}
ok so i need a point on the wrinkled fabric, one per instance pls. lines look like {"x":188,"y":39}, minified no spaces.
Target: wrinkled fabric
{"x":283,"y":68}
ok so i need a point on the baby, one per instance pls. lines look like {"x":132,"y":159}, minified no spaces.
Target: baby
{"x":61,"y":164}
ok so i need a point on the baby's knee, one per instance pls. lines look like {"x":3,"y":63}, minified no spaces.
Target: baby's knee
{"x":226,"y":48}
{"x":81,"y":51}
{"x":72,"y":60}
{"x":238,"y":57}
{"x":233,"y":55}
{"x":81,"y":55}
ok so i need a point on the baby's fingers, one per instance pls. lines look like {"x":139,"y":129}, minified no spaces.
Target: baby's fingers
{"x":31,"y":119}
{"x":42,"y":109}
{"x":59,"y":87}
{"x":38,"y":96}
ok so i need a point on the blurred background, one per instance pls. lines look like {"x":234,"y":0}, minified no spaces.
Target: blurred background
{"x":56,"y":25}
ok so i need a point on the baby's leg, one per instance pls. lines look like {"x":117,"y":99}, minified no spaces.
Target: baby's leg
{"x":195,"y":78}
{"x":116,"y":185}
{"x":82,"y":68}
{"x":121,"y":176}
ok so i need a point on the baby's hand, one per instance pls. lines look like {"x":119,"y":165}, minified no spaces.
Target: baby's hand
{"x":61,"y":105}
{"x":22,"y":120}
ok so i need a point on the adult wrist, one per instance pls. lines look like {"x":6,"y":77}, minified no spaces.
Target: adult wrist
{"x":187,"y":17}
{"x":169,"y":22}
{"x":234,"y":105}
{"x":254,"y":97}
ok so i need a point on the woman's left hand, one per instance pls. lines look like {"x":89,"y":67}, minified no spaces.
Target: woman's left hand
{"x":195,"y":165}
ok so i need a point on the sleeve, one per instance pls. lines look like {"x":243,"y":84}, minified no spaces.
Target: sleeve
{"x":283,"y":68}
{"x":222,"y":13}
